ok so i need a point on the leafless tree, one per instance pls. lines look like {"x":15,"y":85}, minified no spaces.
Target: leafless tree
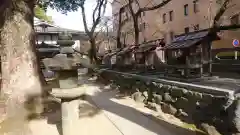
{"x":216,"y":25}
{"x":98,"y":12}
{"x":135,"y":16}
{"x":102,"y":35}
{"x":106,"y":28}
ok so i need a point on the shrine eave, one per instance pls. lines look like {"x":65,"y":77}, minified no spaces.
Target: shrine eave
{"x":190,"y":39}
{"x":47,"y":28}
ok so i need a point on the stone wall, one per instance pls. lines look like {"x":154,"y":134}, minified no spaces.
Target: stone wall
{"x":192,"y":104}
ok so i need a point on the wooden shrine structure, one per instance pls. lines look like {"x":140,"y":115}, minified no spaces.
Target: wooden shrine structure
{"x":145,"y":50}
{"x":189,"y":55}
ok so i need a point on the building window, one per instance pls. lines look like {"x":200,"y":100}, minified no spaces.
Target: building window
{"x":126,"y":15}
{"x":171,"y":35}
{"x":195,"y":6}
{"x":144,"y":39}
{"x":196,"y":27}
{"x":164,"y":18}
{"x":165,"y":37}
{"x":115,"y":16}
{"x":186,"y":29}
{"x":186,"y":10}
{"x":44,"y":28}
{"x":123,"y":10}
{"x":235,"y":19}
{"x":219,"y":2}
{"x":170,"y":15}
{"x":122,"y":34}
{"x":142,"y":26}
{"x":131,"y":1}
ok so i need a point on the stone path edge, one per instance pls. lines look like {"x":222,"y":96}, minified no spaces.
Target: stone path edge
{"x":207,"y":89}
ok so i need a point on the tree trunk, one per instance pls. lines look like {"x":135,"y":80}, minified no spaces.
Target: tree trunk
{"x":136,"y":37}
{"x":94,"y":52}
{"x":20,"y":69}
{"x":136,"y":30}
{"x":119,"y":29}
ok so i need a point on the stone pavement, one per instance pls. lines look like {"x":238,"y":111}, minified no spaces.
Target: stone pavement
{"x":112,"y":116}
{"x":126,"y":119}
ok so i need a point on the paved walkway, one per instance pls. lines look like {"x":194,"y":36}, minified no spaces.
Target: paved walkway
{"x":115,"y":117}
{"x":126,"y":119}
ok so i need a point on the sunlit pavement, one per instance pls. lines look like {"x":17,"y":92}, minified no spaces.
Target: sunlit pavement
{"x":127,"y":120}
{"x":103,"y":114}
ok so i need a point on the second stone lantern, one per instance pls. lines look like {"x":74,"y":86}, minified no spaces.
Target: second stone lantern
{"x":68,"y":90}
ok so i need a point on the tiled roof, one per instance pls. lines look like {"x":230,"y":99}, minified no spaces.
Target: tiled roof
{"x":126,"y":49}
{"x":187,"y":40}
{"x":113,"y":52}
{"x":50,"y":28}
{"x":191,"y":36}
{"x":147,"y":47}
{"x":183,"y":44}
{"x":150,"y":45}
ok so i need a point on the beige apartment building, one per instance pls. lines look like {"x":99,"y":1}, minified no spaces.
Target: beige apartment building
{"x":177,"y":17}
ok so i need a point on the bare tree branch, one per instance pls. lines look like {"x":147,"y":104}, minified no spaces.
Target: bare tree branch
{"x":119,"y":27}
{"x":214,"y":27}
{"x":101,"y":11}
{"x":84,"y":19}
{"x":220,"y":12}
{"x":228,"y":27}
{"x":94,"y":12}
{"x":152,"y":8}
{"x":98,"y":11}
{"x":137,"y":14}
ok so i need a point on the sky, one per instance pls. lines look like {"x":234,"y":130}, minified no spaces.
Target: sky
{"x":73,"y":20}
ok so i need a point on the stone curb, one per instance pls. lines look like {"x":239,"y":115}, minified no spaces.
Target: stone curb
{"x":194,"y":87}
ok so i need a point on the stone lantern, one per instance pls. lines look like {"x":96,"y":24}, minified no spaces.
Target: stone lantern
{"x":68,"y":89}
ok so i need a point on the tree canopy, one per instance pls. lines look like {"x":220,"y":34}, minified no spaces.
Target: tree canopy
{"x":40,"y":13}
{"x":63,"y":6}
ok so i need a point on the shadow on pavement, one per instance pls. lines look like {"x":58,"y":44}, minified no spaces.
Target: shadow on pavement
{"x":52,"y":111}
{"x":104,"y":100}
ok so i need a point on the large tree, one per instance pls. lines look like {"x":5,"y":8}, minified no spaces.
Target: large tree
{"x":19,"y":65}
{"x":20,"y":72}
{"x":73,"y":5}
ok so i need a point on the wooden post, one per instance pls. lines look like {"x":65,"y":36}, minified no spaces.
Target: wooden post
{"x":187,"y":65}
{"x":210,"y":58}
{"x":187,"y":70}
{"x":236,"y":55}
{"x":201,"y":57}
